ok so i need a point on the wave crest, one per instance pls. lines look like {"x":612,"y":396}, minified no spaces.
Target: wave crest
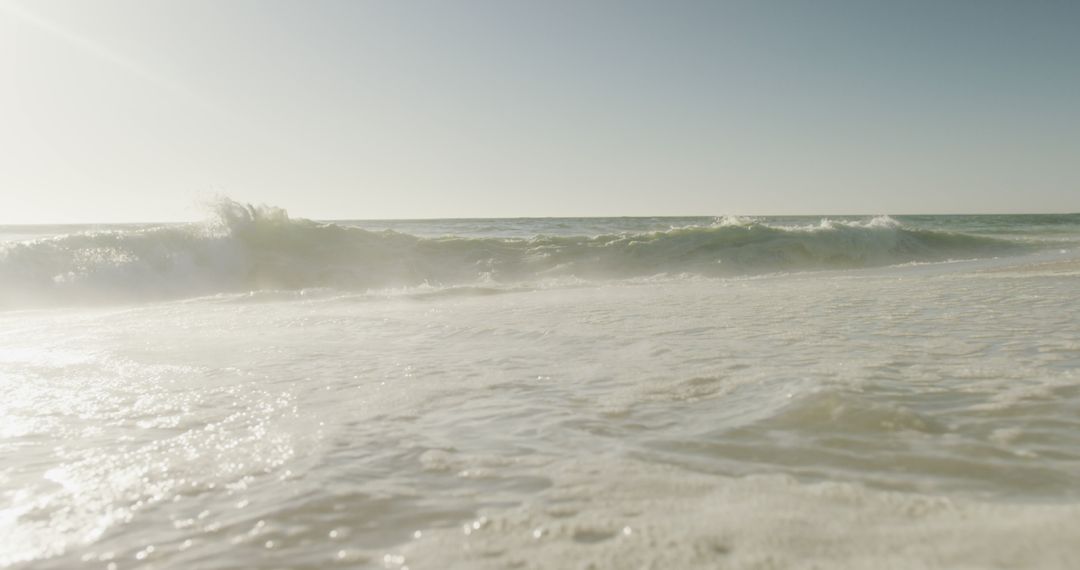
{"x":246,"y":247}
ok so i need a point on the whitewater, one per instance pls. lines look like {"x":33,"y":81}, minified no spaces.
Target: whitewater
{"x":263,"y":391}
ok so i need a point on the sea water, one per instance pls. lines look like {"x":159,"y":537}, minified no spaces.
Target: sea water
{"x":257,"y":391}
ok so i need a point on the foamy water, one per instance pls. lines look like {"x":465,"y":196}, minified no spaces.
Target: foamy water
{"x":263,"y":392}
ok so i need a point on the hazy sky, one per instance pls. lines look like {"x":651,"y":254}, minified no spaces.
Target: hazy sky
{"x":138,"y":110}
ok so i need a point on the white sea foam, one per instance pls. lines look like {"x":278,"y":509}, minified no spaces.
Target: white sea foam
{"x":656,"y":517}
{"x":579,"y":404}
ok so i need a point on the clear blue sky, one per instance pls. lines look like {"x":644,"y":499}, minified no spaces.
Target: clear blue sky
{"x":136,"y":111}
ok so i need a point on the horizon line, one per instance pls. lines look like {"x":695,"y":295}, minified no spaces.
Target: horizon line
{"x":466,"y":218}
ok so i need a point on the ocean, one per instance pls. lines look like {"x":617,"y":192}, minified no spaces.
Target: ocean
{"x":260,"y":391}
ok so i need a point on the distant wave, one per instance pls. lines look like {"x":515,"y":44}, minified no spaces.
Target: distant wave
{"x":245,"y":248}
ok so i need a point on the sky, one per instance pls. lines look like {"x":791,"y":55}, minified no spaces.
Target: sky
{"x":145,"y":110}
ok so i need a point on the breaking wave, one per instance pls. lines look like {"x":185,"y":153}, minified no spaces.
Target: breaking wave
{"x":245,"y":248}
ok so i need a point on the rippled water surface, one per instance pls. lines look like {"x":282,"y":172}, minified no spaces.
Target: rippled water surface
{"x":919,"y":410}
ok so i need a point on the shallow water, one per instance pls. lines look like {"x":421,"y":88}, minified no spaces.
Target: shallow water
{"x":902,"y":407}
